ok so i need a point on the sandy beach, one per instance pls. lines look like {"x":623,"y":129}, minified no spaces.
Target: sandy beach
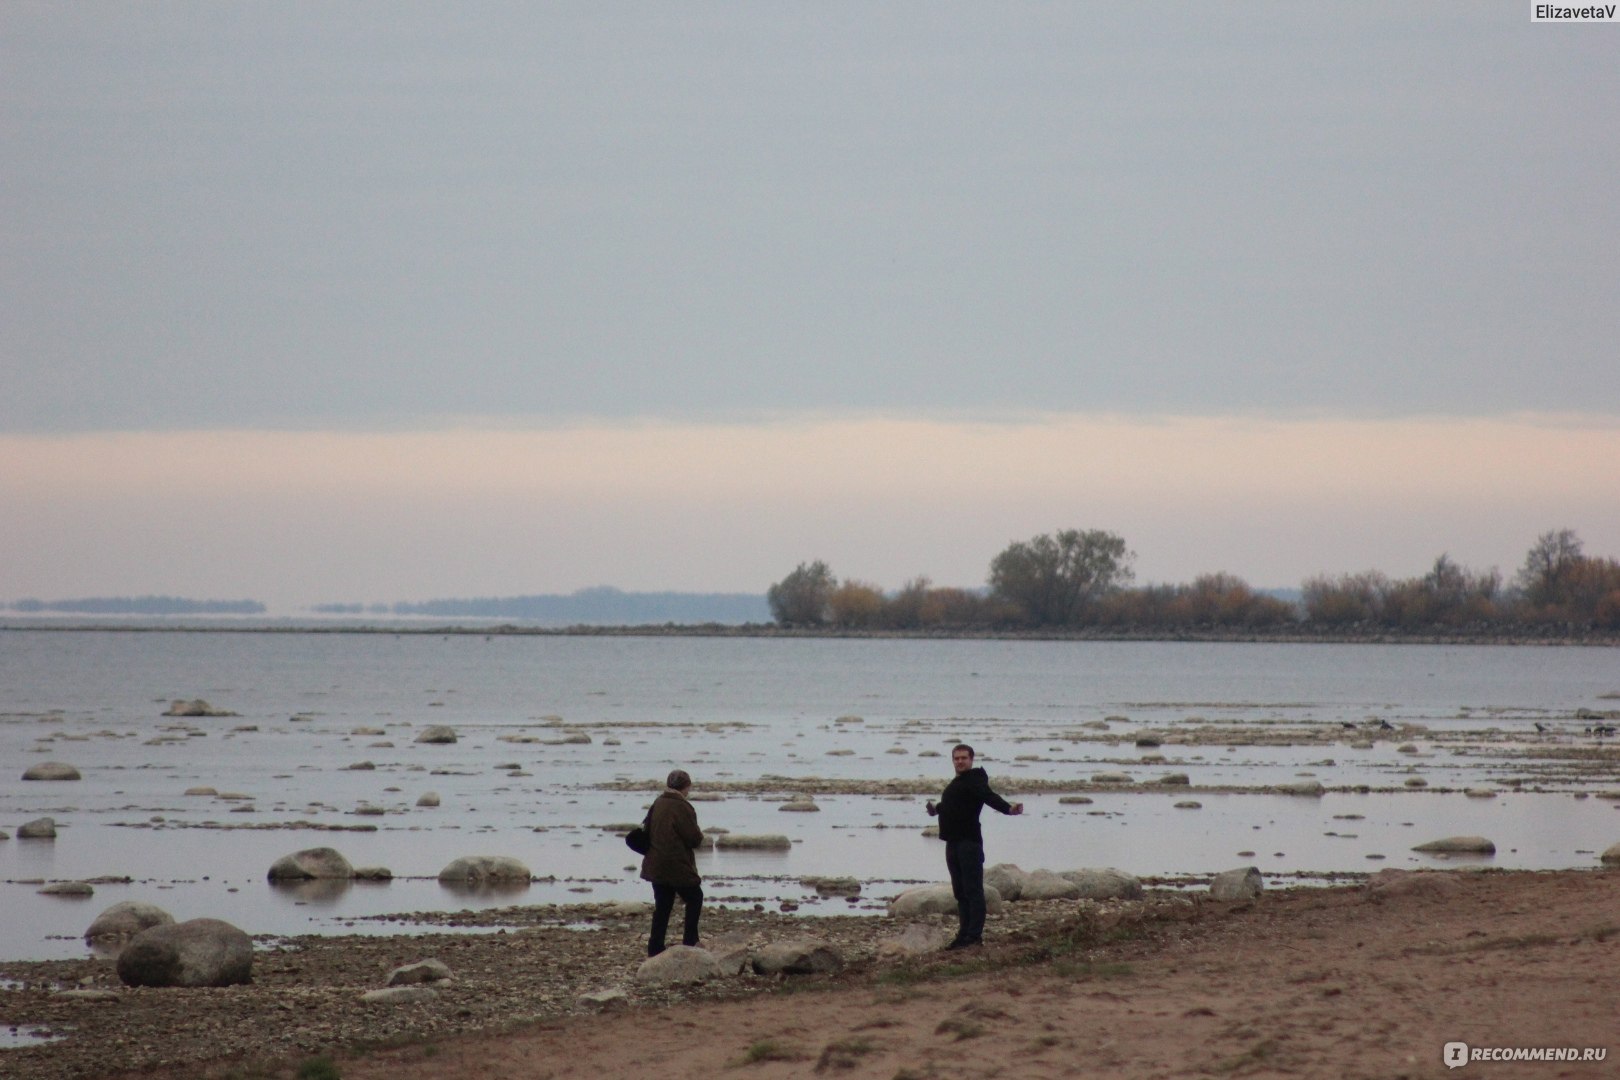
{"x":1367,"y":980}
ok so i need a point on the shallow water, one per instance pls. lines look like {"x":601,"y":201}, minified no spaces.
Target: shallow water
{"x":738,"y":711}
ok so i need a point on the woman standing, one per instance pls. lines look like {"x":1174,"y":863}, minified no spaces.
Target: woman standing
{"x":672,"y":830}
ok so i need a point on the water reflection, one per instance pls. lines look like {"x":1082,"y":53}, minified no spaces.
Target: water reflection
{"x":485,"y":890}
{"x":26,"y":1035}
{"x":323,"y":892}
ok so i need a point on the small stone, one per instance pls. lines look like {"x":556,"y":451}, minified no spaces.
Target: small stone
{"x":39,"y":829}
{"x":400,"y":995}
{"x":437,"y":734}
{"x":423,"y":971}
{"x":1243,"y":883}
{"x":1467,"y":845}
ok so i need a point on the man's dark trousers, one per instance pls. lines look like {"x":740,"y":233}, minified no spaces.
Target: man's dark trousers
{"x":965,"y":860}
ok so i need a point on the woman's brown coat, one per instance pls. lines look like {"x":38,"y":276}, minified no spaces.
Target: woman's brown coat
{"x":672,"y":828}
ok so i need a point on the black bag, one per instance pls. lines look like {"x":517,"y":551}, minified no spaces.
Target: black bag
{"x":638,"y":839}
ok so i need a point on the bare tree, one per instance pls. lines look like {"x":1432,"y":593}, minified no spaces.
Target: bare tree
{"x":1549,"y":567}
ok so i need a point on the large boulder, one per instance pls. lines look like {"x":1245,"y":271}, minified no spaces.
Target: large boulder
{"x":937,"y":900}
{"x":798,"y":956}
{"x":1243,"y":883}
{"x":484,"y":870}
{"x":1007,"y":879}
{"x":1105,"y":884}
{"x":39,"y":829}
{"x":1611,"y":855}
{"x":680,"y":964}
{"x":311,"y":864}
{"x":199,"y":952}
{"x":1390,"y":883}
{"x":438,"y":733}
{"x":1045,"y":885}
{"x":126,"y":919}
{"x":51,"y":770}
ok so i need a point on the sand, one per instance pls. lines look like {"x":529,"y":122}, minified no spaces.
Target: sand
{"x":1371,"y":980}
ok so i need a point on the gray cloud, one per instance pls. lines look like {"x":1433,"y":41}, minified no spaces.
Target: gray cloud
{"x":374,"y":213}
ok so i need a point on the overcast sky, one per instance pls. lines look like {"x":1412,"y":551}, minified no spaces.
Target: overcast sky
{"x":387,"y":300}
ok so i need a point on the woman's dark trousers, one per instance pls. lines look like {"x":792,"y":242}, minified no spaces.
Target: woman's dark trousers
{"x":664,"y":903}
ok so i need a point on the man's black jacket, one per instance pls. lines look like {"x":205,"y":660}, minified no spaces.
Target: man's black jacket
{"x":959,"y":807}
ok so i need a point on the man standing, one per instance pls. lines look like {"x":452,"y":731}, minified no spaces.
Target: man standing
{"x":673,"y":834}
{"x":958,"y":811}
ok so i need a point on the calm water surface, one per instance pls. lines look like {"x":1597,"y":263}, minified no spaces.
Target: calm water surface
{"x":310,"y":706}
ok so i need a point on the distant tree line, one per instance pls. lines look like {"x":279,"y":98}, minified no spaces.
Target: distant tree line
{"x":139,"y":605}
{"x":1078,"y":579}
{"x":597,"y":605}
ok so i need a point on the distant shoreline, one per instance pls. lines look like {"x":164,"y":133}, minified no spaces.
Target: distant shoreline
{"x":1560,"y":636}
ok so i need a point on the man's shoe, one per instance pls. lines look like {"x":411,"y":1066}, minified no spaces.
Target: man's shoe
{"x":963,"y":943}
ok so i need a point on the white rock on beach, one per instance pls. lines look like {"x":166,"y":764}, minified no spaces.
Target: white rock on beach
{"x":798,"y":956}
{"x":1007,"y":879}
{"x":400,"y":995}
{"x":423,"y":971}
{"x":1243,"y":883}
{"x":1045,"y":885}
{"x":1611,"y":854}
{"x":1105,"y":884}
{"x":938,"y":900}
{"x":680,"y":964}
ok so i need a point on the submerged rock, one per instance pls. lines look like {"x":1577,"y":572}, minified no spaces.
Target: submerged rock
{"x":1463,"y":845}
{"x":51,"y":770}
{"x":311,"y":864}
{"x":437,"y":734}
{"x":126,"y":919}
{"x":39,"y":829}
{"x":195,"y":707}
{"x":484,"y":869}
{"x":742,"y":842}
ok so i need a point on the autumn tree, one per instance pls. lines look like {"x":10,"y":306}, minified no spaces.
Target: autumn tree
{"x":1052,"y":579}
{"x":804,"y":597}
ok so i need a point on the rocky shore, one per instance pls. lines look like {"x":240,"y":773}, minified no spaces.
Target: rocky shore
{"x":1364,"y":980}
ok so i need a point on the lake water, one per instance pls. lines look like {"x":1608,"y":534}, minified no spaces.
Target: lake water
{"x":1234,"y":718}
